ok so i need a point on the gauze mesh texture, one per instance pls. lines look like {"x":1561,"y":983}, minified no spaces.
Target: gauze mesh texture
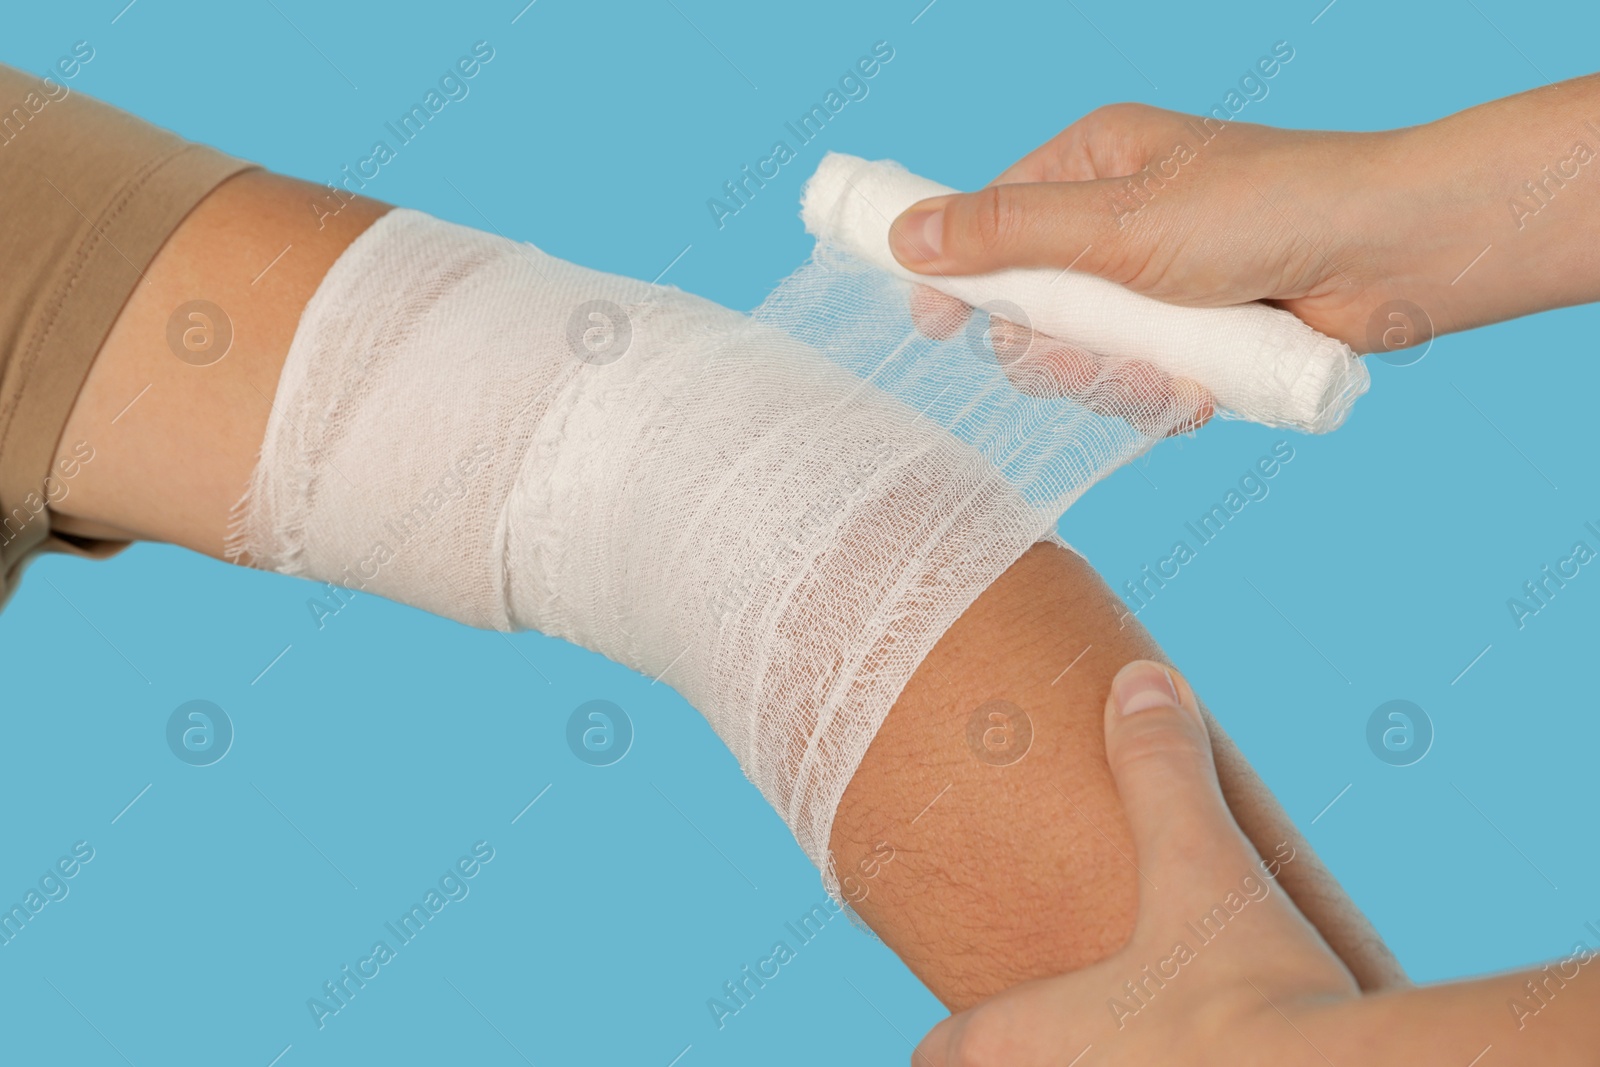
{"x":1259,"y":363}
{"x":779,"y":514}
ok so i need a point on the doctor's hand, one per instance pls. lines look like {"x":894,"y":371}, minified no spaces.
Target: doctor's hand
{"x":1220,"y":959}
{"x":1380,"y":239}
{"x":1222,"y":968}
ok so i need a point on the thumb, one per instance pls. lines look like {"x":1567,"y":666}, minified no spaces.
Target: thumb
{"x":1019,"y":224}
{"x":1159,"y":750}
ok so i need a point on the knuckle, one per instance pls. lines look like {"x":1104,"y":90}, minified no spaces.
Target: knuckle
{"x":1133,"y":263}
{"x":1117,"y":113}
{"x":985,"y":1041}
{"x":996,"y":219}
{"x":1165,"y":739}
{"x":1125,"y":127}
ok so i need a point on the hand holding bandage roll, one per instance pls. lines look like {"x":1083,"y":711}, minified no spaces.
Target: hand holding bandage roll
{"x":1259,"y":362}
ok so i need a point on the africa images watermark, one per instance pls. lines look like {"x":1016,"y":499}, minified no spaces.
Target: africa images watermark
{"x":52,"y":887}
{"x":1139,"y":189}
{"x":750,"y":980}
{"x":452,"y":87}
{"x":443,"y":495}
{"x":1139,"y":592}
{"x":1539,"y":591}
{"x":854,"y":883}
{"x":1552,"y":979}
{"x":1153,"y":978}
{"x":51,"y":89}
{"x":1534,"y":195}
{"x":338,"y":992}
{"x":852,"y":87}
{"x":57,"y":484}
{"x":738,"y":992}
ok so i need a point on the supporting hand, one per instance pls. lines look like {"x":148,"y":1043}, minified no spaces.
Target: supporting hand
{"x":1221,"y":967}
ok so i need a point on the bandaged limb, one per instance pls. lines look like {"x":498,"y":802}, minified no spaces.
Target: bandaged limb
{"x":988,"y":786}
{"x":836,"y":515}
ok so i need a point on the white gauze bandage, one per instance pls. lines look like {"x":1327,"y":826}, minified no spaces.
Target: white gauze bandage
{"x":778,"y":514}
{"x":1260,"y":363}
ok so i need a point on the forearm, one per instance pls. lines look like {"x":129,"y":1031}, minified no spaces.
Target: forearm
{"x":1487,"y":214}
{"x":984,"y":849}
{"x":1549,"y":1016}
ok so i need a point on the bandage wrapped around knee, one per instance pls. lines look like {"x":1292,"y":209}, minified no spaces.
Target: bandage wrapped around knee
{"x":779,"y":513}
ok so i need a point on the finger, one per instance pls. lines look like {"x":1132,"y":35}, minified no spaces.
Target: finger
{"x":1014,"y":345}
{"x":1026,"y":224}
{"x":1159,"y":750}
{"x":937,"y":315}
{"x":1040,"y":365}
{"x":1139,"y":393}
{"x":1204,"y":870}
{"x":1034,"y":1024}
{"x":1031,"y":1023}
{"x":938,"y":1046}
{"x":1150,"y":400}
{"x":1195,"y":405}
{"x":1060,"y":159}
{"x":1113,"y":141}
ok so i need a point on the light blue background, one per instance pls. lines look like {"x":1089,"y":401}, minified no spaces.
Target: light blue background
{"x":374,"y":752}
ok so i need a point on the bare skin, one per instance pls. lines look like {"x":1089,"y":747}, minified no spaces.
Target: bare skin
{"x":1003,"y":873}
{"x":173,"y":463}
{"x":1003,"y":846}
{"x":1268,"y":992}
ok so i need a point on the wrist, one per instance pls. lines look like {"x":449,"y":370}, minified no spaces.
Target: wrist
{"x":1482,"y":206}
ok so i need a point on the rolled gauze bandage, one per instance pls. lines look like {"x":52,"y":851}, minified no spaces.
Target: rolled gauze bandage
{"x":1259,"y":363}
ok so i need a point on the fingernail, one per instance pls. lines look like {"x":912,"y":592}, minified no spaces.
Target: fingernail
{"x":919,"y":236}
{"x":1142,"y":686}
